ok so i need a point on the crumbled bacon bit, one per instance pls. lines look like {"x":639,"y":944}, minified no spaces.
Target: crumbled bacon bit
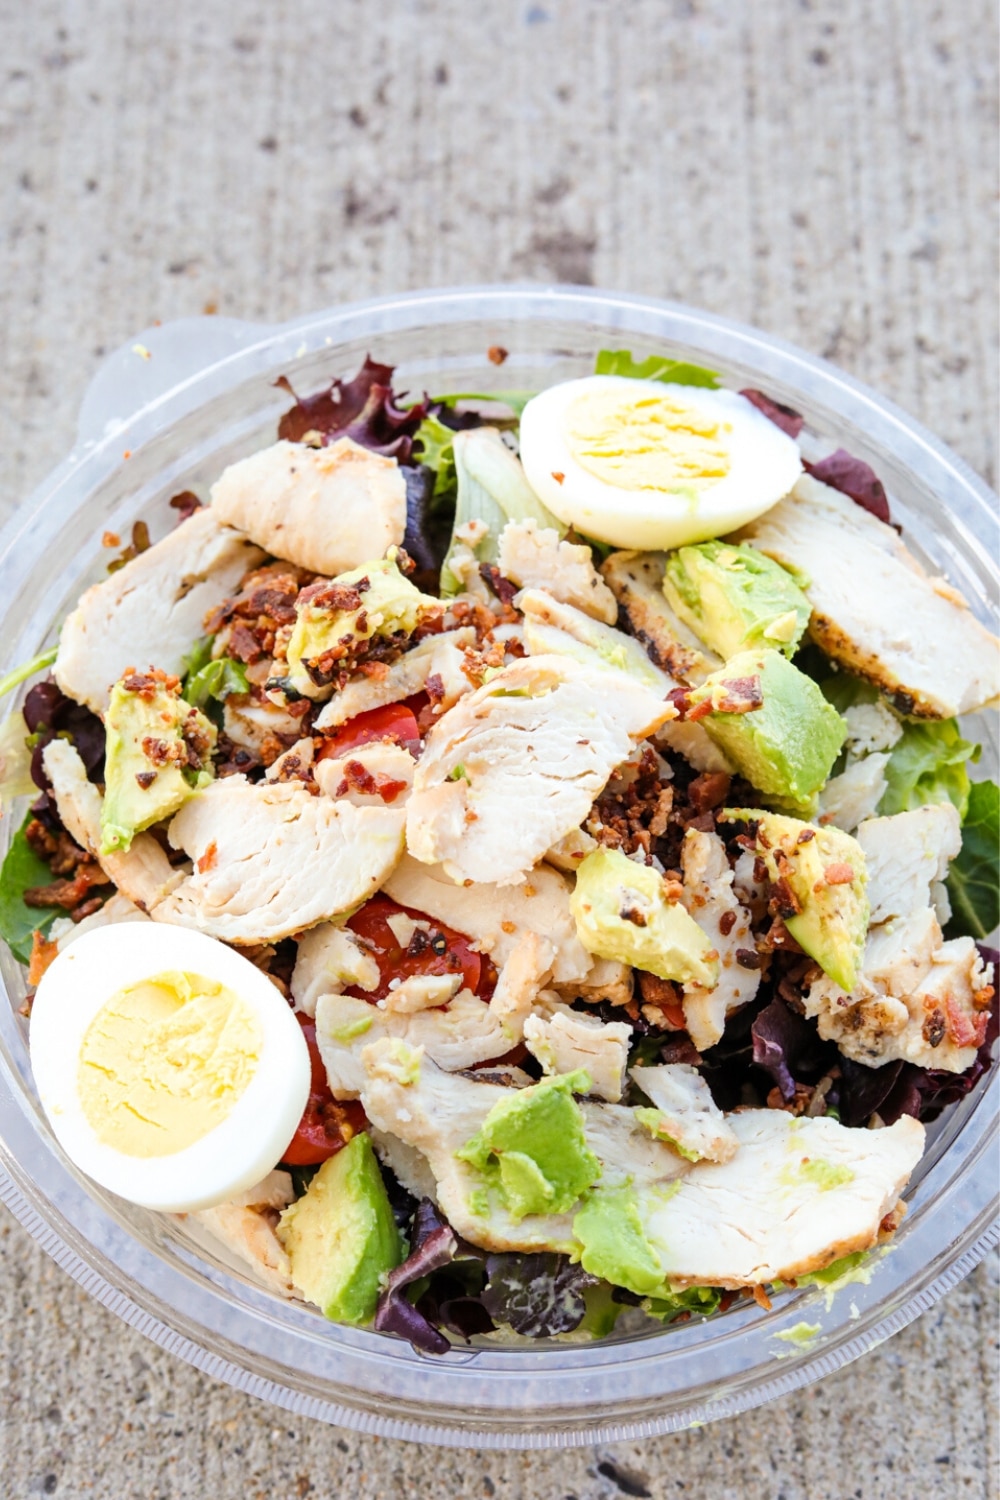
{"x":740,"y":695}
{"x":558,"y":476}
{"x":709,"y":790}
{"x":965,"y":1030}
{"x":934,"y":1027}
{"x":145,"y":685}
{"x":838,"y":873}
{"x":145,"y":779}
{"x":111,"y":539}
{"x":806,"y":836}
{"x":87,"y":909}
{"x":634,"y":915}
{"x":496,"y":354}
{"x":42,"y":954}
{"x":783,"y":901}
{"x":185,"y":504}
{"x":494,"y":579}
{"x":358,"y":778}
{"x":434,"y":688}
{"x":761,"y":1298}
{"x":748,"y":958}
{"x":727,"y":922}
{"x":209,"y":859}
{"x":67,"y":893}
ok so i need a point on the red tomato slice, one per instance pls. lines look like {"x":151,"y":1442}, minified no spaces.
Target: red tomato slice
{"x":438,"y":951}
{"x":327,"y":1124}
{"x":393,"y":721}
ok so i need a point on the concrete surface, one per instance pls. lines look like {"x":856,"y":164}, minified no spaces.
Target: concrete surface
{"x":825,"y":170}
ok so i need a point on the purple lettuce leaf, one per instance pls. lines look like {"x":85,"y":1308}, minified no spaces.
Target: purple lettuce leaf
{"x":363,"y":409}
{"x":536,"y":1295}
{"x":785,"y":417}
{"x":433,"y":1244}
{"x":48,"y":713}
{"x":854,"y":478}
{"x":786,"y":1046}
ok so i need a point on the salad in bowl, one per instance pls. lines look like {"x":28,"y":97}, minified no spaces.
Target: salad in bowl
{"x":508,"y":865}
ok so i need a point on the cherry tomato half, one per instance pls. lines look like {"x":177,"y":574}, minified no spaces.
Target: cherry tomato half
{"x":439,"y":950}
{"x":327,"y":1123}
{"x":393,"y":721}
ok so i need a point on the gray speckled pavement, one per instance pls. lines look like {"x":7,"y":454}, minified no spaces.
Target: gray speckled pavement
{"x":826,"y":171}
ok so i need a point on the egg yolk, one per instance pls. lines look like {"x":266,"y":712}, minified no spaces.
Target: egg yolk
{"x":654,"y":443}
{"x":164,"y":1062}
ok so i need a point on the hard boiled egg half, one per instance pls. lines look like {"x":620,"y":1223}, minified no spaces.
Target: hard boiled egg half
{"x":172,"y":1071}
{"x":643,"y":464}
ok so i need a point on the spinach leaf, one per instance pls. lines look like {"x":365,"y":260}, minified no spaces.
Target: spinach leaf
{"x":21,"y":870}
{"x":974,"y":879}
{"x":656,"y":367}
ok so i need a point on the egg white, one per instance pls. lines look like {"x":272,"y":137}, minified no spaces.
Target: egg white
{"x":764,"y":464}
{"x":239,"y":1151}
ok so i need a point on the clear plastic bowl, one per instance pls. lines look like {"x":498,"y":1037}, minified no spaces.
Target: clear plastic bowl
{"x":151,"y":426}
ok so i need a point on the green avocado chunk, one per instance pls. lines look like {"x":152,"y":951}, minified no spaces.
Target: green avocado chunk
{"x":158,"y":753}
{"x":532,"y":1149}
{"x":335,"y":620}
{"x":622,"y":912}
{"x":735,"y":598}
{"x":824,"y":878}
{"x":609,"y":1227}
{"x":773,"y":723}
{"x":341,"y":1237}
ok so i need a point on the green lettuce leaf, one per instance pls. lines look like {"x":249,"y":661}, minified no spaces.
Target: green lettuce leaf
{"x":220,"y":678}
{"x":928,"y":765}
{"x":974,"y":879}
{"x":21,"y":870}
{"x":656,"y":367}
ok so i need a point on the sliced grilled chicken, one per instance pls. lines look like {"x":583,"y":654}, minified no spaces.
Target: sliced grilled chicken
{"x":797,"y":1195}
{"x":875,"y":610}
{"x":379,"y":774}
{"x":439,"y":656}
{"x":328,"y":960}
{"x":566,"y":1040}
{"x":326,"y":509}
{"x":918,"y":997}
{"x":690,"y":1117}
{"x":455,"y":1036}
{"x":906,"y":854}
{"x":710,"y":900}
{"x":143,"y":875}
{"x":149,"y":612}
{"x":517,"y":764}
{"x":246,"y":1226}
{"x":533,"y":557}
{"x":272,"y":860}
{"x":636,"y":580}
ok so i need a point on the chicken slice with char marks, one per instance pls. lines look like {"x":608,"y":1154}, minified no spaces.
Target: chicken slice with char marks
{"x":246,"y":1226}
{"x":517,"y":764}
{"x":875,"y":610}
{"x":272,"y":860}
{"x":151,"y":611}
{"x":325,"y":509}
{"x":636,"y":580}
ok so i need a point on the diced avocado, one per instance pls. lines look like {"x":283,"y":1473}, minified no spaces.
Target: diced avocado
{"x":335,"y":620}
{"x":341,"y":1237}
{"x":825,"y":880}
{"x":735,"y":598}
{"x":773,"y":723}
{"x":158,"y":753}
{"x":531,"y":1147}
{"x":609,"y":1227}
{"x":622,"y":912}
